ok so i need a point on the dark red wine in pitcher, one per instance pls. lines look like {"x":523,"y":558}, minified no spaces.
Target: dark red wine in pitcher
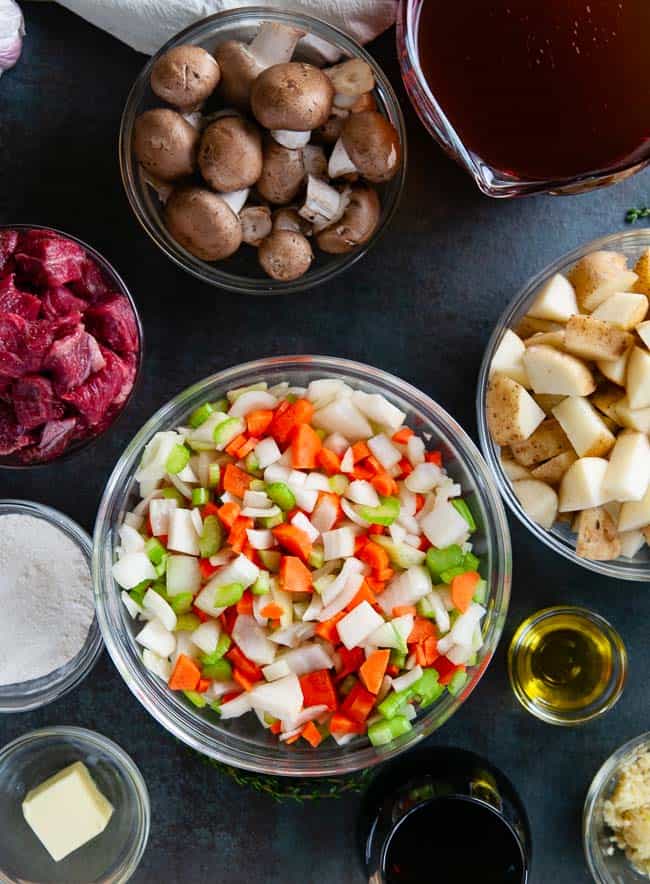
{"x":542,"y":89}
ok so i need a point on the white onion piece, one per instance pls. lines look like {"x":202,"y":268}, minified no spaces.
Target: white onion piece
{"x":257,"y":498}
{"x":415,"y":450}
{"x":158,"y":639}
{"x":160,"y":608}
{"x":384,"y":450}
{"x":160,"y":510}
{"x":343,"y":599}
{"x":360,"y":491}
{"x":267,"y":452}
{"x":308,"y":658}
{"x":424,"y":478}
{"x":352,"y":514}
{"x":252,"y":640}
{"x":252,"y":401}
{"x":405,"y":681}
{"x":260,"y":539}
{"x":301,"y":719}
{"x":157,"y":664}
{"x":12,"y":31}
{"x":325,"y":514}
{"x":131,"y":541}
{"x":132,"y":607}
{"x":301,"y":521}
{"x":347,"y":461}
{"x":337,"y":443}
{"x":132,"y":569}
{"x":234,"y":708}
{"x":338,"y":544}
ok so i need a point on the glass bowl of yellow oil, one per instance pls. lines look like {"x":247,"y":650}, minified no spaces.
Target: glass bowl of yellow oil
{"x":567,"y":665}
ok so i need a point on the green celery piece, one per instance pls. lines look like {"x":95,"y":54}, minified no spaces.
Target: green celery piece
{"x":211,"y":539}
{"x":282,"y":495}
{"x":382,"y":732}
{"x":200,"y":496}
{"x":155,"y":550}
{"x":219,"y":671}
{"x":270,"y":558}
{"x":272,"y":521}
{"x":473,"y":660}
{"x":347,"y":684}
{"x":186,"y":622}
{"x":138,"y":591}
{"x":200,"y":415}
{"x":448,"y":575}
{"x":215,"y":706}
{"x":178,"y":459}
{"x":214,"y":475}
{"x":160,"y":586}
{"x":400,"y":554}
{"x":257,"y":485}
{"x":173,"y":494}
{"x":291,"y":398}
{"x":221,"y":405}
{"x":196,"y":699}
{"x":252,"y":464}
{"x":316,"y":557}
{"x":223,"y":645}
{"x":182,"y":603}
{"x":262,"y":585}
{"x":427,"y":688}
{"x":226,"y":431}
{"x":161,"y":567}
{"x":397,"y":658}
{"x":338,"y":484}
{"x":384,"y":514}
{"x":425,"y":608}
{"x":439,"y":560}
{"x":471,"y":562}
{"x":480,"y":595}
{"x":227,"y":595}
{"x":322,"y":434}
{"x":459,"y":504}
{"x":457,"y":683}
{"x":269,"y":719}
{"x":394,"y":702}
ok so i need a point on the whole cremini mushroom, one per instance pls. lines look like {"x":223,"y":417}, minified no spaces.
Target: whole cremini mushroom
{"x":185,"y":76}
{"x":357,"y":224}
{"x":294,"y":96}
{"x":165,"y":144}
{"x":283,"y":173}
{"x":369,"y":144}
{"x":230,"y":154}
{"x":256,"y":224}
{"x":201,"y":222}
{"x":285,"y":255}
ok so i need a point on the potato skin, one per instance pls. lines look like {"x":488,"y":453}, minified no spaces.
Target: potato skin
{"x":548,"y":440}
{"x":185,"y":76}
{"x":597,"y":536}
{"x":203,"y":223}
{"x":165,"y":144}
{"x":591,"y":338}
{"x":593,"y":271}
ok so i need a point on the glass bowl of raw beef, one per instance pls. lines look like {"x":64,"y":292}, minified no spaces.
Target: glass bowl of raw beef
{"x":70,"y":345}
{"x":301,"y":566}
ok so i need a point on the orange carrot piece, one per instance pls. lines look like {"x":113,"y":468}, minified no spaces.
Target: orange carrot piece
{"x":246,"y":447}
{"x":327,"y":629}
{"x":245,"y":603}
{"x":285,"y":419}
{"x":272,"y":611}
{"x":434,"y":457}
{"x":258,"y":421}
{"x":305,"y":445}
{"x":463,"y":587}
{"x":237,"y":538}
{"x":311,"y":733}
{"x":422,"y":629}
{"x":401,"y":610}
{"x":385,"y":574}
{"x":402,"y":436}
{"x":294,"y":540}
{"x":430,"y":650}
{"x":235,"y":481}
{"x":372,"y":671}
{"x":362,"y":472}
{"x":276,"y":727}
{"x":359,"y":542}
{"x":375,"y":529}
{"x":232,"y":448}
{"x":294,"y":575}
{"x":420,"y":655}
{"x":203,"y":685}
{"x":341,"y":724}
{"x":318,"y":689}
{"x":360,"y":451}
{"x":375,"y":556}
{"x":365,"y":594}
{"x":292,"y":739}
{"x":228,"y":513}
{"x":358,"y":704}
{"x":242,"y":680}
{"x":185,"y":675}
{"x":377,"y":586}
{"x":384,"y":484}
{"x":328,"y":461}
{"x":406,"y":467}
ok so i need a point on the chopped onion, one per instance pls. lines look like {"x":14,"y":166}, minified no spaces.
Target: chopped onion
{"x":132,"y":569}
{"x":131,"y":541}
{"x":267,"y":452}
{"x":378,"y":409}
{"x":12,"y":31}
{"x":325,"y":514}
{"x":361,"y":491}
{"x":338,"y":544}
{"x":308,"y":658}
{"x":160,"y":608}
{"x":292,"y":636}
{"x":252,"y":640}
{"x":131,"y":606}
{"x":206,"y":636}
{"x":384,"y":450}
{"x":301,"y":719}
{"x":258,"y":499}
{"x":260,"y":539}
{"x":317,"y":482}
{"x":281,"y":698}
{"x":347,"y":461}
{"x":337,"y":443}
{"x":255,"y":512}
{"x":276,"y":670}
{"x":352,"y":514}
{"x":234,"y":708}
{"x":301,"y":521}
{"x":415,"y":450}
{"x":356,"y":626}
{"x":157,"y":664}
{"x":405,"y":681}
{"x":158,"y":639}
{"x":343,"y":599}
{"x":252,"y":401}
{"x":424,"y":478}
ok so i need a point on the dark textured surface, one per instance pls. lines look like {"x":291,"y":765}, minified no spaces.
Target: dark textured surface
{"x":421,"y":305}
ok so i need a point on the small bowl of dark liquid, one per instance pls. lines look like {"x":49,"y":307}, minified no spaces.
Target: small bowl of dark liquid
{"x":531,"y":95}
{"x":456,"y":801}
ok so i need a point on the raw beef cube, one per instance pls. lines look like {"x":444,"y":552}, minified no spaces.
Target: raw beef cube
{"x":93,"y":284}
{"x":55,"y":438}
{"x":13,"y":300}
{"x":5,"y":383}
{"x":72,"y":359}
{"x":12,"y":435}
{"x":93,"y":398}
{"x":34,"y":401}
{"x":49,"y":260}
{"x":23,"y":344}
{"x":129,"y":366}
{"x":61,"y":301}
{"x":113,"y":323}
{"x":8,"y":243}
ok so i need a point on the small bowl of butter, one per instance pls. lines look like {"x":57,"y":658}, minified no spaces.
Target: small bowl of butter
{"x":74,"y":808}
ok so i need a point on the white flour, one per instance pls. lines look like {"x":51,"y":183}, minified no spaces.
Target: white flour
{"x":46,"y":604}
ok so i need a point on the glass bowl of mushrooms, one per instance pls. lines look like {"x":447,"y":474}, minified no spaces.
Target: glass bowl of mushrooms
{"x":263,"y":152}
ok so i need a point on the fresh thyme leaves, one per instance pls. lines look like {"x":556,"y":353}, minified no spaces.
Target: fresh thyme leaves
{"x":633,"y":215}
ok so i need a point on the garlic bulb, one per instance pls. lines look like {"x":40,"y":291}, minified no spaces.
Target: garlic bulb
{"x":12,"y":30}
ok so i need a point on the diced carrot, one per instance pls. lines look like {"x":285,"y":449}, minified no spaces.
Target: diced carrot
{"x":446,"y":669}
{"x":359,"y":542}
{"x":273,"y":611}
{"x":365,"y":594}
{"x":311,"y":733}
{"x":235,"y":481}
{"x":230,"y":696}
{"x":241,"y":662}
{"x":232,"y":448}
{"x":402,"y":436}
{"x":238,"y":537}
{"x":228,"y":513}
{"x":350,"y":662}
{"x":362,"y":472}
{"x":463,"y":587}
{"x":375,"y":529}
{"x":373,"y":669}
{"x":203,"y":685}
{"x":250,"y":553}
{"x":245,"y":603}
{"x":200,"y":614}
{"x":373,"y":464}
{"x":275,"y":624}
{"x":305,"y":445}
{"x":341,"y":724}
{"x":358,"y":704}
{"x":360,"y":451}
{"x":242,"y":679}
{"x":318,"y":689}
{"x":377,"y":586}
{"x":420,"y":655}
{"x":292,"y":739}
{"x":419,"y":502}
{"x":228,"y":618}
{"x":185,"y":675}
{"x":405,"y":467}
{"x":329,"y":461}
{"x":209,"y":509}
{"x":384,"y":484}
{"x":206,"y":569}
{"x":327,"y":629}
{"x":430,"y":650}
{"x":294,"y":540}
{"x":258,"y":421}
{"x":425,"y":543}
{"x":385,"y":574}
{"x":422,"y":629}
{"x":392,"y":670}
{"x":294,"y":575}
{"x":276,"y":727}
{"x":246,"y":447}
{"x":285,"y":419}
{"x":434,"y":457}
{"x":375,"y":556}
{"x":401,"y":610}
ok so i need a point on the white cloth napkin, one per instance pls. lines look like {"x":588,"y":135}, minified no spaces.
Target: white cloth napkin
{"x":146,"y":24}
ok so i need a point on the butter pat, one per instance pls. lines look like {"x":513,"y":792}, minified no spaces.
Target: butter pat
{"x":67,"y":810}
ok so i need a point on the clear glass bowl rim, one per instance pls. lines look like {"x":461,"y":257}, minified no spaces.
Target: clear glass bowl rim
{"x":333,"y":761}
{"x":211,"y":273}
{"x":127,"y":766}
{"x":633,"y":239}
{"x":106,"y":265}
{"x":40,"y":691}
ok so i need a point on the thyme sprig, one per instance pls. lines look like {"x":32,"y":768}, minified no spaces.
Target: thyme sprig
{"x":633,"y":215}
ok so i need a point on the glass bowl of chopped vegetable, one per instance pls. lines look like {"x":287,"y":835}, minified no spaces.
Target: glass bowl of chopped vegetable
{"x":319,"y":542}
{"x":241,"y":272}
{"x":567,"y":449}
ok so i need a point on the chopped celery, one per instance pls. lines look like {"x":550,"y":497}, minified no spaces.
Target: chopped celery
{"x":270,"y":558}
{"x":425,"y":608}
{"x":457,"y":682}
{"x":214,"y":475}
{"x":220,"y":405}
{"x":160,"y":586}
{"x":397,"y":658}
{"x":227,"y":595}
{"x":394,"y":702}
{"x":215,"y":705}
{"x":257,"y":485}
{"x":155,"y":550}
{"x":480,"y":594}
{"x":173,"y":494}
{"x":200,"y":415}
{"x":382,"y":732}
{"x":178,"y":459}
{"x":347,"y":684}
{"x":473,"y":660}
{"x":223,"y":645}
{"x":439,"y":560}
{"x":282,"y":495}
{"x":263,"y":584}
{"x":137,"y":592}
{"x":471,"y":562}
{"x":219,"y":671}
{"x":186,"y":622}
{"x":200,"y":496}
{"x":226,"y":431}
{"x":316,"y":557}
{"x":384,"y":514}
{"x":269,"y":719}
{"x":459,"y":504}
{"x":211,"y":538}
{"x":161,"y":567}
{"x":181,"y":603}
{"x":401,"y":554}
{"x":448,"y":575}
{"x":252,"y":464}
{"x":291,"y":398}
{"x":271,"y":521}
{"x":197,"y":699}
{"x":339,"y":484}
{"x":427,"y":688}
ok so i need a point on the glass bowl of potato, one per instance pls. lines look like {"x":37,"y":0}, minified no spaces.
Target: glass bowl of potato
{"x":564,"y":405}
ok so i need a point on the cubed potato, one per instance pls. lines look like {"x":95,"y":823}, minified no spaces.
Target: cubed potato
{"x":551,"y":339}
{"x":552,"y":470}
{"x":628,"y":473}
{"x":512,"y":413}
{"x":538,"y":500}
{"x":548,"y":440}
{"x":643,"y":331}
{"x":625,"y":310}
{"x":555,"y":300}
{"x":597,"y":536}
{"x":584,"y":426}
{"x":551,"y":371}
{"x":635,"y":419}
{"x":635,"y":514}
{"x":591,"y":338}
{"x":582,"y":485}
{"x":507,"y":359}
{"x":548,"y":401}
{"x":631,"y":543}
{"x":514,"y":470}
{"x":614,"y":370}
{"x":599,"y":275}
{"x":529,"y":325}
{"x":642,"y":270}
{"x":605,"y":399}
{"x":637,"y":381}
{"x":613,"y":507}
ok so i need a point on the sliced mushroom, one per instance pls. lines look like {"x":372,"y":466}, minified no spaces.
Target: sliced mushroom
{"x":230,"y":154}
{"x":285,"y":255}
{"x":256,"y":224}
{"x":356,"y":226}
{"x":185,"y":76}
{"x":201,"y":222}
{"x":241,"y":64}
{"x":295,"y":96}
{"x":283,"y":173}
{"x":165,"y":144}
{"x":370,"y":145}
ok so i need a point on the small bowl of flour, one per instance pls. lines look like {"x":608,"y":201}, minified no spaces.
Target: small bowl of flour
{"x":49,"y":637}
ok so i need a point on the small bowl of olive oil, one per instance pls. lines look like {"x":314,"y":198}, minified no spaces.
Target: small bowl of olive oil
{"x":567,"y":665}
